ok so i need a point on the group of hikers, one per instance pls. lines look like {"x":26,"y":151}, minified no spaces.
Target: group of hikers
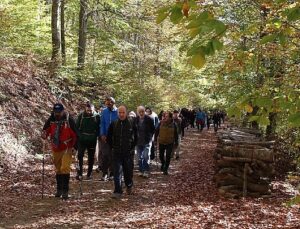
{"x":118,"y":135}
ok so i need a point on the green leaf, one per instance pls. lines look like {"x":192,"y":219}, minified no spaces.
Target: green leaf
{"x":282,"y":38}
{"x":268,"y":38}
{"x":263,"y":120}
{"x":161,"y":16}
{"x":176,"y":14}
{"x":219,"y":26}
{"x":198,"y":60}
{"x":217,"y":45}
{"x":294,"y":120}
{"x":199,"y":20}
{"x":263,"y":102}
{"x":294,"y":14}
{"x":253,"y":118}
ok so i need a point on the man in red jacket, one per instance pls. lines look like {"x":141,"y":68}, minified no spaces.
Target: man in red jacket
{"x":62,"y":131}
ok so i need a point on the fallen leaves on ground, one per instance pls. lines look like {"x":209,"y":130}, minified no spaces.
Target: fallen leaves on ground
{"x":187,"y":198}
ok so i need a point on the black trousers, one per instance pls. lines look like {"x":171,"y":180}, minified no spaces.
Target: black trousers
{"x":91,"y":156}
{"x":123,"y":164}
{"x":165,"y":152}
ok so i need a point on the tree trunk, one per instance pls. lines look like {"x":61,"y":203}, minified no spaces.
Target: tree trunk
{"x":62,"y":26}
{"x":55,"y":32}
{"x":82,"y":34}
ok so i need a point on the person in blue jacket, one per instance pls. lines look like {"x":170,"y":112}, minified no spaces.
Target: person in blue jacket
{"x":109,"y":115}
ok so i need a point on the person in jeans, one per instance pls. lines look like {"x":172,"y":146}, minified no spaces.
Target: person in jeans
{"x":146,"y":128}
{"x":167,"y":137}
{"x":122,"y":139}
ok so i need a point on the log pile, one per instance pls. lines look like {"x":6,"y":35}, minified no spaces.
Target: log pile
{"x":244,"y":162}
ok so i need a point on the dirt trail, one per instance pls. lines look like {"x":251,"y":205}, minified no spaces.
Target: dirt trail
{"x":186,"y":198}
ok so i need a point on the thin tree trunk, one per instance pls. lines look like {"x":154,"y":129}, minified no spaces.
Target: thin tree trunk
{"x":62,"y":26}
{"x":82,"y":34}
{"x":55,"y":31}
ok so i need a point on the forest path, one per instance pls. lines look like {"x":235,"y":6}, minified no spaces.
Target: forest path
{"x":186,"y":198}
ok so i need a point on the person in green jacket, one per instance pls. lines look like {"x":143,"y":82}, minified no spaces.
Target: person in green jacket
{"x":88,"y":125}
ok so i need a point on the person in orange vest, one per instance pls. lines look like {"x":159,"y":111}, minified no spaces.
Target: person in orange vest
{"x":61,"y":129}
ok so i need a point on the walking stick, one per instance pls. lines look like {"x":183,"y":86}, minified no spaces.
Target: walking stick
{"x":77,"y":170}
{"x":43,"y":170}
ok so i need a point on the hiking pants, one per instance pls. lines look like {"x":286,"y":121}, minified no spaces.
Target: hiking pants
{"x":165,"y":152}
{"x":91,"y":157}
{"x":122,"y":165}
{"x":106,"y":159}
{"x":62,"y":161}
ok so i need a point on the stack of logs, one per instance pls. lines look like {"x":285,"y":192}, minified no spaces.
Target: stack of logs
{"x":244,"y":162}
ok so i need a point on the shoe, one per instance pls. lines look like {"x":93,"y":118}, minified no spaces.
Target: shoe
{"x":104,"y":177}
{"x":98,"y":170}
{"x":58,"y":193}
{"x":177,"y":158}
{"x":129,"y":190}
{"x":111,"y":178}
{"x":166,"y":172}
{"x":140,"y":174}
{"x":88,"y":177}
{"x":78,"y":177}
{"x":116,"y":195}
{"x":146,"y":175}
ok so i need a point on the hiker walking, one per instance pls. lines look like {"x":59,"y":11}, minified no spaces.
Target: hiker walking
{"x":98,"y":146}
{"x":200,"y":119}
{"x":167,"y":137}
{"x":61,"y":128}
{"x":109,"y":114}
{"x":155,"y":118}
{"x":216,"y":120}
{"x":177,"y":120}
{"x":88,"y":125}
{"x":122,"y":139}
{"x":145,"y":128}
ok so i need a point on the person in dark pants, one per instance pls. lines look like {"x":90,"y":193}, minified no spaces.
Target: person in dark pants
{"x":88,"y":125}
{"x":167,"y":137}
{"x":216,"y":120}
{"x":122,"y":138}
{"x":109,"y":114}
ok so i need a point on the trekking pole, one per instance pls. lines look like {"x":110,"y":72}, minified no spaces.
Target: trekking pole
{"x":77,"y":171}
{"x":43,"y":170}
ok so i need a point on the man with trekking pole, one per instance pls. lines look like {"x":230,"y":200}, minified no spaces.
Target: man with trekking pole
{"x":61,"y":129}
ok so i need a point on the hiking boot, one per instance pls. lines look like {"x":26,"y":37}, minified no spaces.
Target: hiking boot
{"x":177,"y":158}
{"x":65,"y":196}
{"x":111,"y":177}
{"x":78,"y":177}
{"x":65,"y":185}
{"x":104,"y":177}
{"x":129,"y":190}
{"x":98,"y":170}
{"x":58,"y":186}
{"x":146,"y":175}
{"x":166,"y":172}
{"x":116,"y":195}
{"x":88,"y":177}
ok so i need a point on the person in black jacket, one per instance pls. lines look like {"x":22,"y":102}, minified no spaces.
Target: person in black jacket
{"x":122,"y":138}
{"x":145,"y":128}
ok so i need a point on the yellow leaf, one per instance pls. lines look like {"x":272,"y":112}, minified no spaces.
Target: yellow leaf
{"x":198,"y":61}
{"x":248,"y":108}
